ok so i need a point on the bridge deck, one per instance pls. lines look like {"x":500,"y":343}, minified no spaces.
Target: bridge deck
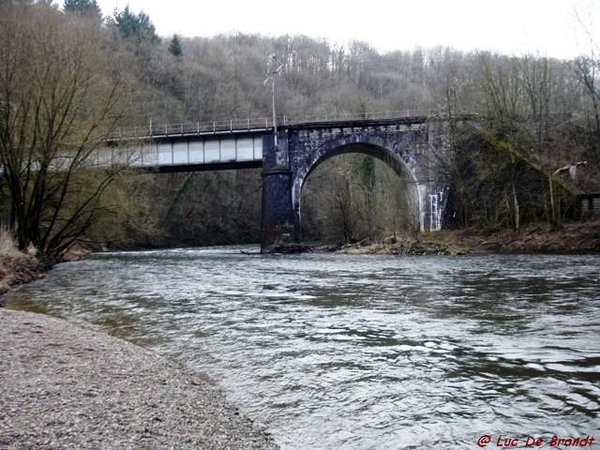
{"x":223,"y":145}
{"x":191,"y":151}
{"x":263,"y":124}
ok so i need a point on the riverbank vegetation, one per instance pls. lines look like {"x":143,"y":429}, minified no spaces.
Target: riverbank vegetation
{"x":16,"y":267}
{"x":70,"y":76}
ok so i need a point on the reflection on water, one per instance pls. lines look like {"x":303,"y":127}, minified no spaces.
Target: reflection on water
{"x":362,"y":352}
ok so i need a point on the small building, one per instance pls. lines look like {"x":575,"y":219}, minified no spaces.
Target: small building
{"x":589,"y":205}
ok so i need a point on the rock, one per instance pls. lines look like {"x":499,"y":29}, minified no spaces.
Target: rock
{"x":288,"y":248}
{"x":75,"y":253}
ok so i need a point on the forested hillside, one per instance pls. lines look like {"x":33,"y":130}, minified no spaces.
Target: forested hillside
{"x":71,"y":74}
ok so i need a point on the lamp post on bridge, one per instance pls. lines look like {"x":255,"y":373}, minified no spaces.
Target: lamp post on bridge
{"x":276,"y":67}
{"x":278,"y":218}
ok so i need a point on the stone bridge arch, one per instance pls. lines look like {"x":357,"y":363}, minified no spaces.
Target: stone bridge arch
{"x":381,"y":147}
{"x":410,"y":146}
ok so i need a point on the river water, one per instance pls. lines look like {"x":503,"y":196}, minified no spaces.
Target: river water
{"x":362,"y":352}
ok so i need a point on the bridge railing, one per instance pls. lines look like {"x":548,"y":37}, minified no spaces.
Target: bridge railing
{"x":190,"y":128}
{"x":256,"y":124}
{"x":373,"y":115}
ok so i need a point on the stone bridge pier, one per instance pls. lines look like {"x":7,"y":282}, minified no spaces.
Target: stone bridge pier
{"x":415,"y":148}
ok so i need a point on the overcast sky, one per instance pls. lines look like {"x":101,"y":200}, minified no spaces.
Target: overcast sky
{"x":544,"y":27}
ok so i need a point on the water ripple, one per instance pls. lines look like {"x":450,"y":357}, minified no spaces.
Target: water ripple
{"x":369,"y":352}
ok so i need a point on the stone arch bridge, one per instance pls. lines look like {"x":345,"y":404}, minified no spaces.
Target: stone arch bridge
{"x":415,"y":147}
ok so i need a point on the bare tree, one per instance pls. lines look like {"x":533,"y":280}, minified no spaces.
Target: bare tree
{"x":57,"y":102}
{"x":501,"y":87}
{"x":537,"y":83}
{"x":587,"y":68}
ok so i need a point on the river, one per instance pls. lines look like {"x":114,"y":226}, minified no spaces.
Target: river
{"x":361,"y":352}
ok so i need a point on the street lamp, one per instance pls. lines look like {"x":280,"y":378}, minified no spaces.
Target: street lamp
{"x":276,"y":66}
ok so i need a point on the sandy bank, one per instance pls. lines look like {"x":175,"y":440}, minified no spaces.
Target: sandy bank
{"x":67,"y":387}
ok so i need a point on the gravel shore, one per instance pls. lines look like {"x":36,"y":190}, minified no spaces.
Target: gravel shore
{"x":71,"y":387}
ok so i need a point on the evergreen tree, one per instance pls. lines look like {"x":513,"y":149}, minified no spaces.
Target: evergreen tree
{"x":136,"y":26}
{"x":367,"y":172}
{"x":87,"y":8}
{"x":175,"y":46}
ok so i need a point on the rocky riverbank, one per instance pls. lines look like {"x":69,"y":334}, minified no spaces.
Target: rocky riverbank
{"x":404,"y":246}
{"x":67,"y":386}
{"x":18,"y":268}
{"x":578,"y":237}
